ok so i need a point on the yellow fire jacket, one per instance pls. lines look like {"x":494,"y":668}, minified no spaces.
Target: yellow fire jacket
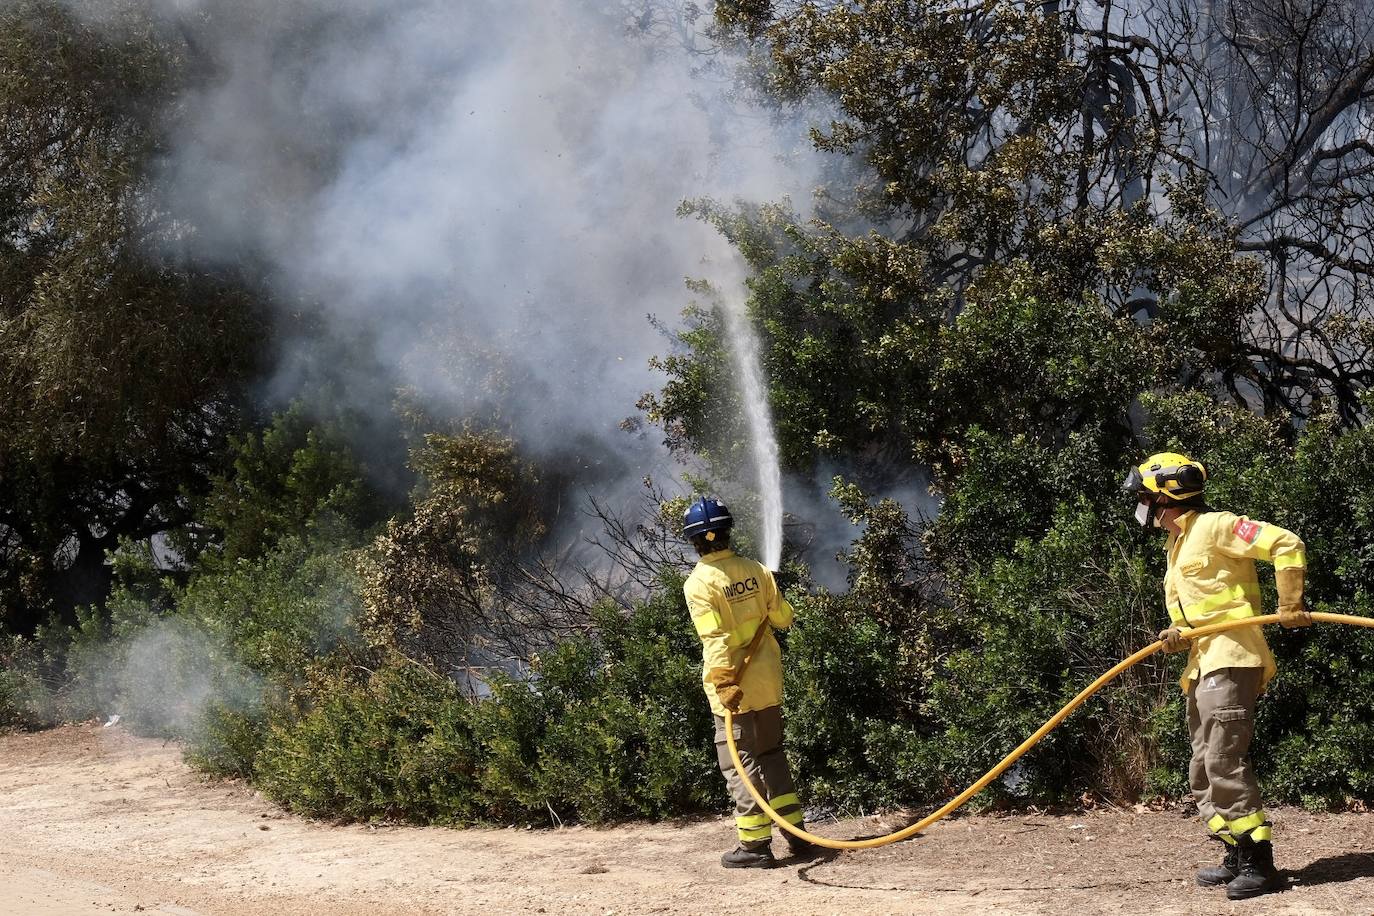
{"x":729,"y":598}
{"x":1211,"y":578}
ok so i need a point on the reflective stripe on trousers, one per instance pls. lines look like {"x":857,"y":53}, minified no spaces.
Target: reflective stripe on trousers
{"x":758,"y":735}
{"x":1221,"y":723}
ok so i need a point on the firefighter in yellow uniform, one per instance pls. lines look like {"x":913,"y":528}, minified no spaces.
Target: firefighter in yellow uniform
{"x":1210,"y":578}
{"x":730,"y":597}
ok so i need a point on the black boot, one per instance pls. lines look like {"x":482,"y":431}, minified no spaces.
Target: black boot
{"x":1219,"y":875}
{"x":1257,"y":872}
{"x":739,"y":857}
{"x":802,"y":849}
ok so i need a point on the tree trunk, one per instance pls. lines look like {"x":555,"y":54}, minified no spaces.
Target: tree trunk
{"x":86,"y":581}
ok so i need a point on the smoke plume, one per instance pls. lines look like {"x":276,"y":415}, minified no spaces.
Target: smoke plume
{"x":484,"y":192}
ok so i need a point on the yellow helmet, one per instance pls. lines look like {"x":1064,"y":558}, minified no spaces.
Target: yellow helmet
{"x":1168,"y":475}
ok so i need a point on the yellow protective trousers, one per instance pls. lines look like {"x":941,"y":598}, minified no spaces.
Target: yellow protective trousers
{"x":1221,"y":722}
{"x":758,"y":737}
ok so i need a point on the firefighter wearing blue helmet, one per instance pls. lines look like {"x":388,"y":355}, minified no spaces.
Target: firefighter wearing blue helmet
{"x":730,"y":597}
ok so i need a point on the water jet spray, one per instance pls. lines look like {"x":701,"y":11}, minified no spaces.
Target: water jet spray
{"x":763,"y":441}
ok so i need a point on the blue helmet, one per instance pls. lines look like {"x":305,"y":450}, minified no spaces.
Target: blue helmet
{"x":704,"y":515}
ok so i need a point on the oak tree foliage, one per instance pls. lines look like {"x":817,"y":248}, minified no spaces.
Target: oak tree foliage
{"x":120,"y":364}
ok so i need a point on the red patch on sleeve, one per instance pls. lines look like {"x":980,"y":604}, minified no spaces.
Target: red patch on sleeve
{"x":1247,"y":530}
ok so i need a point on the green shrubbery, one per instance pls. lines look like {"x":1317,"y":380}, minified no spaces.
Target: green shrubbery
{"x":397,"y":744}
{"x":952,"y":643}
{"x":1048,"y":613}
{"x":25,"y":698}
{"x":983,"y":306}
{"x":1047,"y":583}
{"x":606,"y":727}
{"x":880,"y":713}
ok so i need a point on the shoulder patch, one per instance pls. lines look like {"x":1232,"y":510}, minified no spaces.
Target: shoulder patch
{"x":1247,"y":530}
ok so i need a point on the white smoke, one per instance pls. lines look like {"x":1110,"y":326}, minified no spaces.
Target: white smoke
{"x":485,"y":191}
{"x":168,"y":675}
{"x":164,"y":678}
{"x":481,"y":200}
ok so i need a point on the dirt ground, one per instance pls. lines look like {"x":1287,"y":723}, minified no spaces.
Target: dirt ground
{"x":97,"y":821}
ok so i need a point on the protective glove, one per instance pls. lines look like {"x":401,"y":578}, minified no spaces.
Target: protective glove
{"x":1294,"y":615}
{"x":1173,"y":640}
{"x":730,"y":697}
{"x":726,"y":682}
{"x":1292,"y":611}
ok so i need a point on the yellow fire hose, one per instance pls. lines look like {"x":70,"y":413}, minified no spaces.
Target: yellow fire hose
{"x":963,"y":797}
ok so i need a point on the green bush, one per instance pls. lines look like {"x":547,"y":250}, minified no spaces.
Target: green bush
{"x":1050,"y":584}
{"x":859,"y":668}
{"x":26,"y":700}
{"x":397,"y":747}
{"x":1046,"y":620}
{"x":1074,"y":594}
{"x":953,"y":642}
{"x":295,"y":478}
{"x":624,"y":728}
{"x":281,"y":616}
{"x":607,"y":726}
{"x":225,"y":740}
{"x":847,"y":732}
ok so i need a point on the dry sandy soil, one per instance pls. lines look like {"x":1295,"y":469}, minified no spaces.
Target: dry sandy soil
{"x":97,"y":821}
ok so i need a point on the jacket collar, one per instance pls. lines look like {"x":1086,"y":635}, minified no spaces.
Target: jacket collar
{"x":1185,"y":524}
{"x":716,"y":555}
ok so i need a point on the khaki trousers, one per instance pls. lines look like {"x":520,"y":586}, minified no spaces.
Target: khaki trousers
{"x":1221,"y":721}
{"x":758,"y":735}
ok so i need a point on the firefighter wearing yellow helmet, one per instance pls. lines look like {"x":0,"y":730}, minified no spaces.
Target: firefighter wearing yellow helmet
{"x":1211,"y":577}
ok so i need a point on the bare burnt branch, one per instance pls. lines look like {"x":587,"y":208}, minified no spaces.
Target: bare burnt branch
{"x":513,"y":608}
{"x":1275,"y":108}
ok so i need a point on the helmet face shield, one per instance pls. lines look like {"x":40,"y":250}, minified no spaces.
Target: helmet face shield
{"x":1134,"y":484}
{"x":1147,"y":513}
